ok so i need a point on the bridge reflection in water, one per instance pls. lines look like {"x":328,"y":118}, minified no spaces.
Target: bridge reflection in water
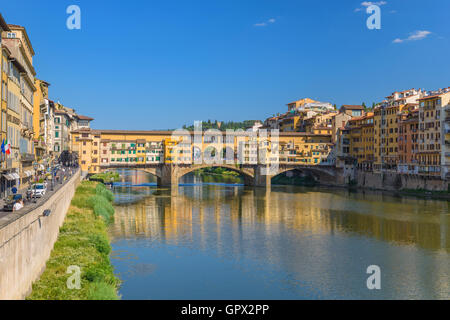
{"x":315,"y":239}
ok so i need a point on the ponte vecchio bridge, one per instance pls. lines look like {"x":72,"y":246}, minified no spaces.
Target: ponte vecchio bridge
{"x":169,"y":155}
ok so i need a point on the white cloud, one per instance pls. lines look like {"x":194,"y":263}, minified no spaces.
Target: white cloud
{"x":419,"y":35}
{"x":265,"y":24}
{"x":369,"y":3}
{"x":414,"y":36}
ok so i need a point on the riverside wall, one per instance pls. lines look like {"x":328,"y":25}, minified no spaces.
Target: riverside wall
{"x":27,"y":240}
{"x":395,"y":181}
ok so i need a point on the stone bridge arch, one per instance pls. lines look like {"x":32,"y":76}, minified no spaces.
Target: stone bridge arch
{"x":248,"y":174}
{"x":323,"y":175}
{"x":169,"y":174}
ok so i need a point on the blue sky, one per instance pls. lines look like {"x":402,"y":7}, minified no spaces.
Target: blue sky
{"x":161,"y":64}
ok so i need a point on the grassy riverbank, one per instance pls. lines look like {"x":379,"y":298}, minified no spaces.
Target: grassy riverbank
{"x":83,"y":242}
{"x":219,"y":175}
{"x":106,"y":177}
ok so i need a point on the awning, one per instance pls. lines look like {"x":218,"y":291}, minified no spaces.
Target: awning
{"x":27,"y":174}
{"x":15,"y":175}
{"x":8,"y":177}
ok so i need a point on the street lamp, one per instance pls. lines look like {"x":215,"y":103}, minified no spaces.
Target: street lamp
{"x":35,"y":167}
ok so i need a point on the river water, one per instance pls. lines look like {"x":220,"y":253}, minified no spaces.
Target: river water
{"x":218,"y":241}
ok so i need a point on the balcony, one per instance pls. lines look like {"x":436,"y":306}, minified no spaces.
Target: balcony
{"x":27,"y":157}
{"x":39,"y":144}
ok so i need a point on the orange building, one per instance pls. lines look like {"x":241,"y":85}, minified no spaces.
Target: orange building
{"x":408,"y":127}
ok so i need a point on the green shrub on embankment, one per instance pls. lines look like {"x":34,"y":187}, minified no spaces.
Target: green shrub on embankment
{"x":83,"y":241}
{"x":106,"y":177}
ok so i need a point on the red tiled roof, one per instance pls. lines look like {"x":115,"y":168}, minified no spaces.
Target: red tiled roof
{"x":84,"y":117}
{"x":352,"y":107}
{"x":3,"y":23}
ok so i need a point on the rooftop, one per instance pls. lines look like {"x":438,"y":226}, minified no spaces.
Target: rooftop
{"x":81,"y":117}
{"x":3,"y":24}
{"x":352,"y":107}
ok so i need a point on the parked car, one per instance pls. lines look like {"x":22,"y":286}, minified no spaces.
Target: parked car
{"x":38,"y":190}
{"x":10,"y":201}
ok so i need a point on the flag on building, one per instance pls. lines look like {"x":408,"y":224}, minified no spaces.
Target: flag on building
{"x":3,"y":146}
{"x":8,"y":147}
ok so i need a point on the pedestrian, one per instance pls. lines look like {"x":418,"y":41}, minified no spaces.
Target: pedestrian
{"x":18,"y":205}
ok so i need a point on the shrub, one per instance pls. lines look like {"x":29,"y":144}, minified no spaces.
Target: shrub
{"x":102,"y":291}
{"x":100,"y":243}
{"x":94,"y":275}
{"x":101,"y":190}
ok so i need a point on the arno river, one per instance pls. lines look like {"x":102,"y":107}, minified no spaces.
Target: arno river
{"x":233,"y":242}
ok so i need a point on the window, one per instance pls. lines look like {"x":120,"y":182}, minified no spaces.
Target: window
{"x":56,"y":134}
{"x":11,"y":35}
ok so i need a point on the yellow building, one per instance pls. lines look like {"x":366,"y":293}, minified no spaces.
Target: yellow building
{"x":322,"y":130}
{"x":361,"y":140}
{"x":4,"y":55}
{"x":434,"y":134}
{"x":290,"y":122}
{"x":20,"y":102}
{"x":299,"y":103}
{"x":305,"y":148}
{"x":99,"y":149}
{"x":386,"y":133}
{"x":40,"y":102}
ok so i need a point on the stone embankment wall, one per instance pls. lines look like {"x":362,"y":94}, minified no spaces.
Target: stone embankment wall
{"x":394,"y":181}
{"x":27,"y":241}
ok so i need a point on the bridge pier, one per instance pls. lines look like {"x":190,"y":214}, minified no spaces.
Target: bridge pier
{"x":167,"y":175}
{"x":262,"y":176}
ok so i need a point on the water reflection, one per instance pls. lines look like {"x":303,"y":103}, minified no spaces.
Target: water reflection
{"x":286,"y":243}
{"x":163,"y":215}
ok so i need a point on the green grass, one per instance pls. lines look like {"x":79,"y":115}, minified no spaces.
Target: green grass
{"x":83,"y":241}
{"x":106,"y":177}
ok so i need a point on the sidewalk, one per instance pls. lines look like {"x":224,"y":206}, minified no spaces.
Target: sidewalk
{"x":22,"y":191}
{"x":7,"y":217}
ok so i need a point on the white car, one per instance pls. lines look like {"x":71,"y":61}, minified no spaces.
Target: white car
{"x":38,"y":190}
